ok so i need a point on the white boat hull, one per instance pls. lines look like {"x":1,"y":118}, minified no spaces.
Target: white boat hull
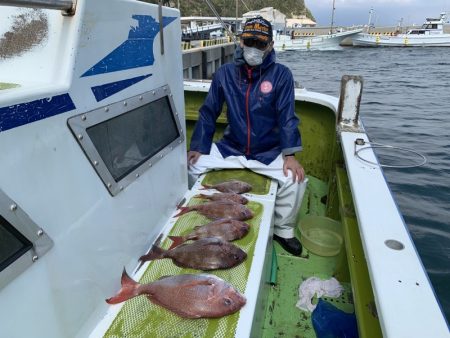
{"x":320,"y":42}
{"x":401,"y":40}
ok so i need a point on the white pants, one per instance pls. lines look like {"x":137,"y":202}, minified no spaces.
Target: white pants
{"x":289,"y":194}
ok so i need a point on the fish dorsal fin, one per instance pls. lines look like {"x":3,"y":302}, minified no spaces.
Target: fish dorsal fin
{"x":197,"y":282}
{"x":210,"y":241}
{"x":202,"y":196}
{"x":165,"y":276}
{"x":158,"y":240}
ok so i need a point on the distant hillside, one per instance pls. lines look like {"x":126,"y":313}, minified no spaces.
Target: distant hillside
{"x":228,"y":7}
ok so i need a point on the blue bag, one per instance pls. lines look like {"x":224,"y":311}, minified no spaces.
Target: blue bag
{"x":330,"y":322}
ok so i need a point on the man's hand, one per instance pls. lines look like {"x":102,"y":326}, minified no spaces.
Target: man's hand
{"x":290,"y":163}
{"x":192,"y":157}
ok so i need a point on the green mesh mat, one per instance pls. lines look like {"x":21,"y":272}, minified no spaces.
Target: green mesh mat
{"x":141,"y":318}
{"x":260,"y":184}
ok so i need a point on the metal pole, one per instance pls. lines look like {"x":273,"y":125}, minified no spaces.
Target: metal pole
{"x":233,"y":36}
{"x":332,"y":18}
{"x":161,"y":26}
{"x":48,"y":4}
{"x":370,"y":20}
{"x":68,"y":6}
{"x":237,"y":15}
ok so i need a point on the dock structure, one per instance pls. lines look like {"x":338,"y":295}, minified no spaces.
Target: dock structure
{"x":201,"y":62}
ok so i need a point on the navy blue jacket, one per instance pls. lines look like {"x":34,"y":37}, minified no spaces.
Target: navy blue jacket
{"x":261,"y":116}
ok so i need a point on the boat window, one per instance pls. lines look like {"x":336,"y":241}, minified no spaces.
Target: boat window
{"x":128,"y":140}
{"x":124,"y":139}
{"x":12,"y":244}
{"x":22,"y":242}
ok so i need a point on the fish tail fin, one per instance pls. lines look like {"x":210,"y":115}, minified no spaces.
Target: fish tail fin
{"x":183,"y":210}
{"x":129,"y":289}
{"x":155,"y":253}
{"x":177,"y":240}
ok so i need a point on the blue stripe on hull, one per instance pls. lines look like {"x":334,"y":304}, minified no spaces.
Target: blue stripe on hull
{"x":24,"y":113}
{"x":108,"y":89}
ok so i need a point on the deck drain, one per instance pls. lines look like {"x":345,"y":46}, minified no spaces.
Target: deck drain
{"x":393,"y":244}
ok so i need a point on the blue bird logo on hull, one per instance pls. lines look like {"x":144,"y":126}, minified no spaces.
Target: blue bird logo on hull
{"x":136,"y":51}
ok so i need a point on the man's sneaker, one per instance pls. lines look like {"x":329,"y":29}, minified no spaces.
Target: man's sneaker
{"x":291,"y":245}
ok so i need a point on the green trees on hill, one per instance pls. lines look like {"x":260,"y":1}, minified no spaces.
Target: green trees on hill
{"x":227,"y":8}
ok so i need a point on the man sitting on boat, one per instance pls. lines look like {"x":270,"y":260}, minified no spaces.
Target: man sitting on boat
{"x":262,"y":133}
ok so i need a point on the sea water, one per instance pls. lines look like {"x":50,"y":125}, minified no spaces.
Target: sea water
{"x":405,"y":103}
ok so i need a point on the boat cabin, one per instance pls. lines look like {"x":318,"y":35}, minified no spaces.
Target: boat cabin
{"x":430,"y":27}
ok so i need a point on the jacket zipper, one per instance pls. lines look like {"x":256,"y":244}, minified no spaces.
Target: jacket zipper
{"x":247,"y":96}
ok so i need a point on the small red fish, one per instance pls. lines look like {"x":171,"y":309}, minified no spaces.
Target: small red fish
{"x":228,"y":230}
{"x":187,"y":295}
{"x":219,"y":210}
{"x":238,"y":187}
{"x":228,"y":196}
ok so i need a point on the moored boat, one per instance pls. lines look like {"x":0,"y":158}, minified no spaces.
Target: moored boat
{"x":95,"y":121}
{"x":431,"y":34}
{"x":319,"y":42}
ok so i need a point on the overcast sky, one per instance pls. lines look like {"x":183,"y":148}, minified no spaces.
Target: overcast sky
{"x":386,"y":12}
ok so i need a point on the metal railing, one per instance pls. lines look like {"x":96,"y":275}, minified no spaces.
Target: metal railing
{"x":66,"y":6}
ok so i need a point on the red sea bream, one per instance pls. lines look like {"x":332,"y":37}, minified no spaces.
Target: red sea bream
{"x":187,"y":295}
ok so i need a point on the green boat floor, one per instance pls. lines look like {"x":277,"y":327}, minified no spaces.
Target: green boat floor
{"x":141,"y":318}
{"x":283,"y":318}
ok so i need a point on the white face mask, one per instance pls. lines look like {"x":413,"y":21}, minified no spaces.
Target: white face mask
{"x":253,"y":56}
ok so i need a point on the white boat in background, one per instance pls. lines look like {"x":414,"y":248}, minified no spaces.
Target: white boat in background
{"x":430,"y":34}
{"x":319,"y":42}
{"x":330,"y":41}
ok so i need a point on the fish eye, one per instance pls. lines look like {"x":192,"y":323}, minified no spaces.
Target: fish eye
{"x":236,"y":257}
{"x":227,"y":301}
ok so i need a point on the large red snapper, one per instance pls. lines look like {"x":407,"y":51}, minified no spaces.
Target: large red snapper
{"x":227,"y":196}
{"x":220,"y":210}
{"x":205,"y":254}
{"x":187,"y":295}
{"x":228,"y":230}
{"x":235,"y":186}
